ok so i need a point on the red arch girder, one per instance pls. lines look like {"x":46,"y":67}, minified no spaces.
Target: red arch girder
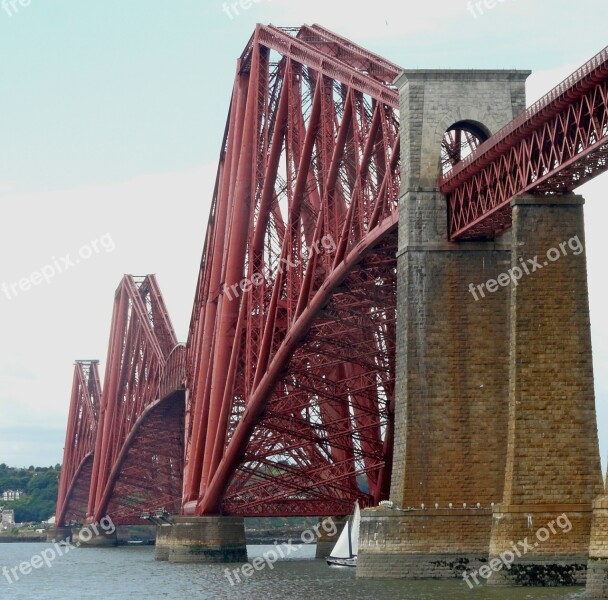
{"x":148,"y":473}
{"x":555,"y":146}
{"x":141,"y":340}
{"x":74,"y":508}
{"x":326,"y":420}
{"x":307,"y":184}
{"x":80,"y":434}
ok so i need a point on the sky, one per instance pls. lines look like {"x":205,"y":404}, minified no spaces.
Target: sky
{"x":111,"y":121}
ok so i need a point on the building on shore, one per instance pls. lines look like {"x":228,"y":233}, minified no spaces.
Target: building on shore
{"x":10,"y":495}
{"x":7,"y":519}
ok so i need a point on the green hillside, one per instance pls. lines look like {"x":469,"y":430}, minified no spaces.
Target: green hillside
{"x":40,"y":485}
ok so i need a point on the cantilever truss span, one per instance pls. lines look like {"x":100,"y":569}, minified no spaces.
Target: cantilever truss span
{"x":138,"y":459}
{"x":75,"y":479}
{"x":282,"y":402}
{"x":291,"y":348}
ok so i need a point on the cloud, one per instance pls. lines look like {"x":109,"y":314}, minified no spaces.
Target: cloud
{"x":542,"y":82}
{"x":17,"y":449}
{"x":358,"y":20}
{"x":158,"y":224}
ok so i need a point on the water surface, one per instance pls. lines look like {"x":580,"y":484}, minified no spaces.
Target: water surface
{"x":131,"y":572}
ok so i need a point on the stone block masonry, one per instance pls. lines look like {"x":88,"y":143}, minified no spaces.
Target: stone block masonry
{"x":161,"y":548}
{"x":557,"y":557}
{"x":452,"y":353}
{"x":494,"y":396}
{"x":214,"y":539}
{"x":431,"y":101}
{"x":452,"y":366}
{"x":553,"y":453}
{"x":422,"y":544}
{"x":597,"y":568}
{"x":553,"y":462}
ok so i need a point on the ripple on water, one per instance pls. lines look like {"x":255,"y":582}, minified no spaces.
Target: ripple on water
{"x":132,"y":572}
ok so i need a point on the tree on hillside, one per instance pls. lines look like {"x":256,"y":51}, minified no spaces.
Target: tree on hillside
{"x":40,"y":485}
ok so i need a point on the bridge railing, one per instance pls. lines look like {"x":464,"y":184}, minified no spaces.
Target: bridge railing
{"x":451,"y":180}
{"x":174,"y":373}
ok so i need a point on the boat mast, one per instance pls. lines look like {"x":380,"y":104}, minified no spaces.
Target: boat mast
{"x":350,"y":541}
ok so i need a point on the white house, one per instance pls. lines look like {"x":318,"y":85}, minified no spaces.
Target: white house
{"x":9,"y":495}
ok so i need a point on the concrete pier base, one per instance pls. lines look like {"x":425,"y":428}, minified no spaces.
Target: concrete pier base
{"x":545,"y":545}
{"x":161,"y":548}
{"x":213,"y":539}
{"x":325,"y":541}
{"x":538,"y":571}
{"x":92,"y":536}
{"x":597,"y":578}
{"x":58,"y":534}
{"x":597,"y":567}
{"x":422,"y":544}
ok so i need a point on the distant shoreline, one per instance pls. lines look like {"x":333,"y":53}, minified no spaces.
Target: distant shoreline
{"x":16,"y":539}
{"x":253,"y":537}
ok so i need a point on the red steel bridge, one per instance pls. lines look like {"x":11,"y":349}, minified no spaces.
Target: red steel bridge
{"x":282,"y":400}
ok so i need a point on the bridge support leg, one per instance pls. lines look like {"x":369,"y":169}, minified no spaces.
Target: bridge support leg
{"x":452,"y":375}
{"x":597,"y":567}
{"x":161,"y":548}
{"x":451,"y":402}
{"x":325,"y":541}
{"x":553,"y":471}
{"x":92,"y":536}
{"x":58,"y":534}
{"x":210,"y":539}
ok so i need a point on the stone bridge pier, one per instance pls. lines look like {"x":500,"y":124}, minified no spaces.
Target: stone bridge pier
{"x":495,"y":430}
{"x":553,"y":470}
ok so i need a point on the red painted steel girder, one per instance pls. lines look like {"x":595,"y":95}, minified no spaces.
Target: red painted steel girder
{"x":75,"y":478}
{"x":138,"y":458}
{"x":290,"y":355}
{"x":148,"y":474}
{"x":347,"y":51}
{"x":555,"y":146}
{"x":75,"y":508}
{"x":291,"y":350}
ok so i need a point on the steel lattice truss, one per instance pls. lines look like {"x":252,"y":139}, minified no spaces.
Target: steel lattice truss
{"x":80,"y":437}
{"x":552,"y":148}
{"x":283,"y":399}
{"x":149,"y":472}
{"x":138,"y":459}
{"x":291,"y":346}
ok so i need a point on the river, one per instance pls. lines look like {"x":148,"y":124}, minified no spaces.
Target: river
{"x":131,"y":572}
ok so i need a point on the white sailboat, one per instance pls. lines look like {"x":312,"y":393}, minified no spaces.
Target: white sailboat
{"x":344,"y":553}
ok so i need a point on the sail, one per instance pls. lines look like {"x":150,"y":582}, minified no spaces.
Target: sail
{"x":354,"y":532}
{"x":347,"y":545}
{"x":342,"y":547}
